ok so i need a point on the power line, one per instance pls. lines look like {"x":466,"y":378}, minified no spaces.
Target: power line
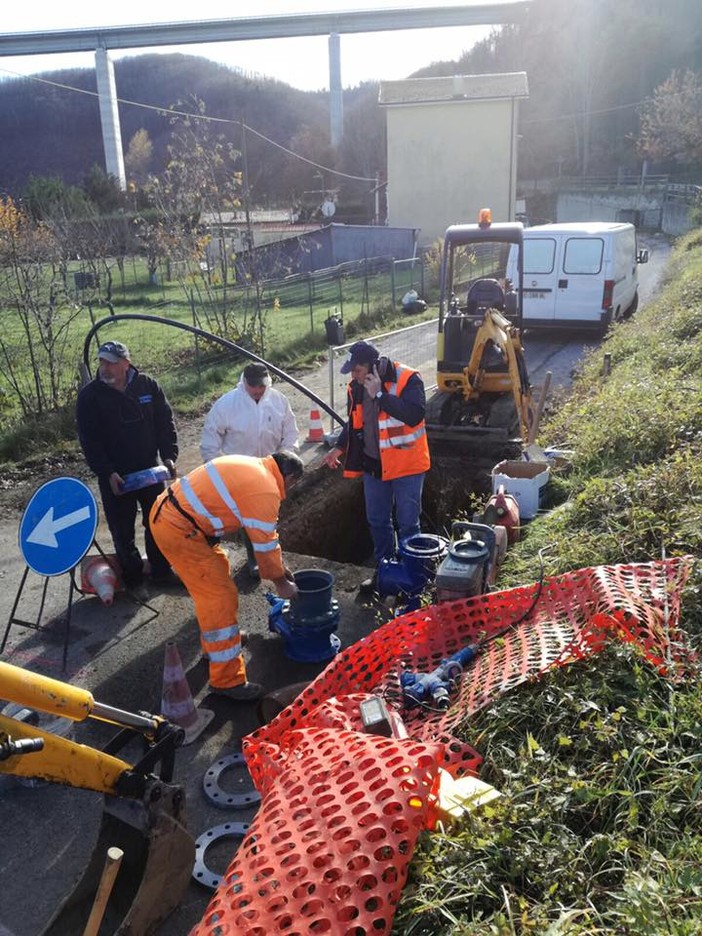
{"x":337,"y":172}
{"x":591,"y":113}
{"x":650,"y":99}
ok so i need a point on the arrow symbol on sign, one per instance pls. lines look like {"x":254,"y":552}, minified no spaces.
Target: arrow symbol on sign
{"x":44,"y":533}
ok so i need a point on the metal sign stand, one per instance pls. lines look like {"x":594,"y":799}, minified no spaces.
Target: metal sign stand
{"x":73,"y":587}
{"x":56,"y":531}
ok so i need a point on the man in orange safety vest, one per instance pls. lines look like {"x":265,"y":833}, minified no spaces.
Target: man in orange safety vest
{"x":385,"y":443}
{"x":222,"y":496}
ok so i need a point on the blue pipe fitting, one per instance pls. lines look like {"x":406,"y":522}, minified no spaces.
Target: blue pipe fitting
{"x":415,"y":567}
{"x":307,"y":625}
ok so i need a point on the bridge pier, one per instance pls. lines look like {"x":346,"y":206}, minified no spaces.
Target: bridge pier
{"x":336,"y":100}
{"x":109,"y":117}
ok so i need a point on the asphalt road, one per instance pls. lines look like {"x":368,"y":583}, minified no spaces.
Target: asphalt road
{"x":118,"y":654}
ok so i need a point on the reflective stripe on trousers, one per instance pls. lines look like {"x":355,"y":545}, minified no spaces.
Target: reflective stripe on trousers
{"x":205,"y":572}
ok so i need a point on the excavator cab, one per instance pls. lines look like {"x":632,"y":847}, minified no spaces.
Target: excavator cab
{"x":484,"y":397}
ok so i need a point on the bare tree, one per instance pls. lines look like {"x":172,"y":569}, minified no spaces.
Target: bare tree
{"x":35,"y":342}
{"x":671,"y":121}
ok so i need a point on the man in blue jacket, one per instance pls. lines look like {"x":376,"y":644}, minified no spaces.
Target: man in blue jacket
{"x":124,"y":424}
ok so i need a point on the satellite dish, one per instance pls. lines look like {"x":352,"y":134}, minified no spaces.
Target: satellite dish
{"x":328,"y":208}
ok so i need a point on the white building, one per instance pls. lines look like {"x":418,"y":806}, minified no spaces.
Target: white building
{"x":452,"y":149}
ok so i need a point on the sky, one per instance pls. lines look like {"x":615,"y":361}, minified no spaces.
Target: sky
{"x":301,"y":62}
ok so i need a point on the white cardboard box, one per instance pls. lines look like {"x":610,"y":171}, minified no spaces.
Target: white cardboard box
{"x":524,"y":480}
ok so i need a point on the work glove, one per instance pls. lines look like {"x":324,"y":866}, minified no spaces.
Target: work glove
{"x":170,"y":464}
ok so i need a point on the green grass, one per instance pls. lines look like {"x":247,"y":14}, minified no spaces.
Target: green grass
{"x":599,"y":830}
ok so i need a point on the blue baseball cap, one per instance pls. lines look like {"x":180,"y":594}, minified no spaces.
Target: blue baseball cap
{"x":362,"y":352}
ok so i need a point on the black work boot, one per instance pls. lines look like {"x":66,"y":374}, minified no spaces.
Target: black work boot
{"x":245,"y":692}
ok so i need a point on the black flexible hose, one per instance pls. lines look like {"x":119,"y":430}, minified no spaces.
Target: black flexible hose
{"x":138,"y":316}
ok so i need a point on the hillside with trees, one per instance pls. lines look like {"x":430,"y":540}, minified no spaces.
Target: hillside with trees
{"x":611,"y":83}
{"x":594,"y":68}
{"x":49,"y":129}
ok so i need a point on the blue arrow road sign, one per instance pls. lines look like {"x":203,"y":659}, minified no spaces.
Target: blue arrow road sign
{"x":58,"y":526}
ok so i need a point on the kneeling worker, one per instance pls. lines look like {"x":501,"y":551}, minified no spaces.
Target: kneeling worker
{"x":229,"y":493}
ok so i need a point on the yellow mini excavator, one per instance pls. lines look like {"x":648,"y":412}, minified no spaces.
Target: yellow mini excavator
{"x":484,"y":398}
{"x":143,"y":812}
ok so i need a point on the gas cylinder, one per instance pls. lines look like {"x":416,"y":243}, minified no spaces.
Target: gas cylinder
{"x":503,"y":510}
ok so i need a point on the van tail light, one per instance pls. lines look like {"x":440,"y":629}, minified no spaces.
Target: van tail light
{"x":608,"y":294}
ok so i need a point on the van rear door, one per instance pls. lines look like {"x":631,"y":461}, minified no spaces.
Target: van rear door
{"x":540,"y":266}
{"x":581,"y":280}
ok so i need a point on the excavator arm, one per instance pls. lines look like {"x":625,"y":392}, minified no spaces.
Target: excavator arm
{"x":496,"y":337}
{"x":144,"y":812}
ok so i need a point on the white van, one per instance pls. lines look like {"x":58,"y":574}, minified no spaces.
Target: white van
{"x":578,"y":275}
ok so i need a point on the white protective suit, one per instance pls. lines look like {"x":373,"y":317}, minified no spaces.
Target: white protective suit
{"x":238,"y":425}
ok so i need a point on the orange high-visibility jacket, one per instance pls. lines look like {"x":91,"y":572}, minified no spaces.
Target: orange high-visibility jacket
{"x":234,"y":491}
{"x":404,"y":449}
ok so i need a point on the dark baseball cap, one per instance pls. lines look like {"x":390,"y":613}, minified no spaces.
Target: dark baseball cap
{"x":113,"y":351}
{"x":362,"y":352}
{"x":255,"y":375}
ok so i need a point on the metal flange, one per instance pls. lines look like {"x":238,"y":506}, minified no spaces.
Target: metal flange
{"x":201,"y":873}
{"x":219,"y":797}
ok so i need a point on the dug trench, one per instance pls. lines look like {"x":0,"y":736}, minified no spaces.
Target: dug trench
{"x":324,"y":516}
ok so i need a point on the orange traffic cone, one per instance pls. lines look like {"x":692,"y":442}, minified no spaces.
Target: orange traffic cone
{"x":99,"y":577}
{"x":316,"y":433}
{"x":176,"y":699}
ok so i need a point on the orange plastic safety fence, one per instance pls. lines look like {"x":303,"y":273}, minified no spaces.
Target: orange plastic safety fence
{"x":329,"y":849}
{"x":567,"y":618}
{"x":334,"y":799}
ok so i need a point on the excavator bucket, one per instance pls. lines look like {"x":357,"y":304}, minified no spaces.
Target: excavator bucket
{"x":144,"y":811}
{"x":155,"y":871}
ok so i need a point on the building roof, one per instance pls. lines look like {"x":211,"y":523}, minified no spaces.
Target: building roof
{"x":256,"y":216}
{"x":456,"y":88}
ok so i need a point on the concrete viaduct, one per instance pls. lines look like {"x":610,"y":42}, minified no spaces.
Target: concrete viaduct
{"x":333,"y":24}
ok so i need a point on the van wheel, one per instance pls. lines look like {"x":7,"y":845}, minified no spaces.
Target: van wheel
{"x":604,"y":324}
{"x":633,"y":307}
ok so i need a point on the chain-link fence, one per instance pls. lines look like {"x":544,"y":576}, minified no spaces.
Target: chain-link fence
{"x":279,"y":320}
{"x":276,"y":319}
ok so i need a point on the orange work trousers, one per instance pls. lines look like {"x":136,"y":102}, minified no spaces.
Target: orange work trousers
{"x":204,"y":570}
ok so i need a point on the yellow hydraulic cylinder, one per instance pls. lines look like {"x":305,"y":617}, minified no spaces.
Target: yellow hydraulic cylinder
{"x":59,"y":698}
{"x":44,"y":693}
{"x":61,"y":760}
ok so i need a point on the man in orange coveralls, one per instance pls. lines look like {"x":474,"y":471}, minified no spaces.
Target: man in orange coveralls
{"x":220,"y":497}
